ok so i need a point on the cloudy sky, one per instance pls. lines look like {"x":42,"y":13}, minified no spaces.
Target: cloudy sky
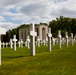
{"x":16,"y":12}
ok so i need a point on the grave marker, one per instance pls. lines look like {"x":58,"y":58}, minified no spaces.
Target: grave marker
{"x":21,"y":43}
{"x":72,"y":39}
{"x":15,"y":40}
{"x":3,"y":44}
{"x":28,"y":42}
{"x":59,"y":39}
{"x":11,"y":43}
{"x":66,"y":36}
{"x":32,"y":40}
{"x":6,"y":44}
{"x":49,"y":39}
{"x":2,"y":31}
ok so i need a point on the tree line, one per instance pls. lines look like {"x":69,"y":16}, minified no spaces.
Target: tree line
{"x":62,"y":23}
{"x":65,"y":24}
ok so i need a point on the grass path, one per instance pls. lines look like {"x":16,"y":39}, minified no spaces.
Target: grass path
{"x":57,"y":62}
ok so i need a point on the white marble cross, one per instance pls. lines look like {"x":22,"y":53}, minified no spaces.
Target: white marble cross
{"x":49,"y":39}
{"x":2,"y":31}
{"x":15,"y":40}
{"x":21,"y":43}
{"x":66,"y":36}
{"x":28,"y":42}
{"x":11,"y":43}
{"x":3,"y":44}
{"x":6,"y":44}
{"x":59,"y":39}
{"x":32,"y":40}
{"x":38,"y":41}
{"x":72,"y":42}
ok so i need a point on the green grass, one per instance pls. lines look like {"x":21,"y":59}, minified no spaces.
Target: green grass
{"x":57,"y":62}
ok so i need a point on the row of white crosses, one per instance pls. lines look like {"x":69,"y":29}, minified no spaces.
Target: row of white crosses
{"x":3,"y":31}
{"x":38,"y":41}
{"x":31,"y":41}
{"x":5,"y":44}
{"x":66,"y":39}
{"x":27,"y":42}
{"x":20,"y":43}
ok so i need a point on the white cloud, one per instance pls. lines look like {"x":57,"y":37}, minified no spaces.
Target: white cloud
{"x":8,"y":25}
{"x":35,"y":10}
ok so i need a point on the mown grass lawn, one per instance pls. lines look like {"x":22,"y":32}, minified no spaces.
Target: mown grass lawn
{"x":57,"y":62}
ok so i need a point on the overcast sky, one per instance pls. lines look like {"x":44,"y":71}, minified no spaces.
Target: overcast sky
{"x":16,"y":12}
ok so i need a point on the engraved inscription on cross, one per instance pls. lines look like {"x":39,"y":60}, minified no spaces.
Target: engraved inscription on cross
{"x":49,"y":33}
{"x":33,"y":33}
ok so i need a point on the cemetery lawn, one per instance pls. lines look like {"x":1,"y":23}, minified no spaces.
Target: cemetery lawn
{"x":57,"y":62}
